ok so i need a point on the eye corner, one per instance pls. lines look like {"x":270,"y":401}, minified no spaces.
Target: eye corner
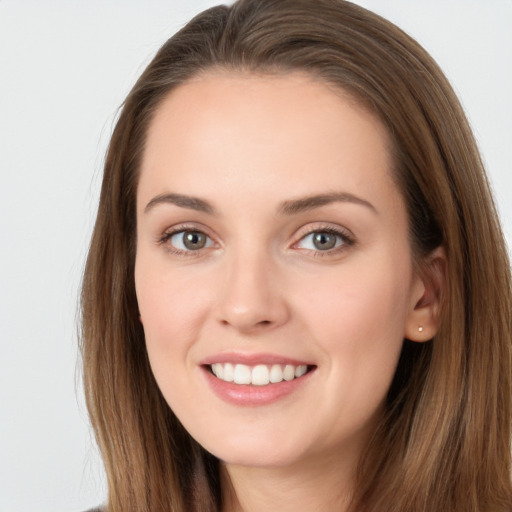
{"x":185,"y":240}
{"x":324,"y":240}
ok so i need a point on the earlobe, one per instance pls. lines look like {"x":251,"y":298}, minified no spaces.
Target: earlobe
{"x":423,"y":319}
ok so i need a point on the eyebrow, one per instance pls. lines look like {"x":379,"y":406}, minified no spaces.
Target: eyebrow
{"x":183,"y":201}
{"x":316,"y":201}
{"x":290,"y":207}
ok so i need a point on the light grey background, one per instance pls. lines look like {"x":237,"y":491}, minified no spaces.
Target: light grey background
{"x":65,"y":67}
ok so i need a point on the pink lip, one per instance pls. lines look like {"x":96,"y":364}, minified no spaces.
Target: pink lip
{"x":246,"y":394}
{"x":251,"y":359}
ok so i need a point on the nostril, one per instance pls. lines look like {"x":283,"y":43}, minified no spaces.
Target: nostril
{"x":263,"y":324}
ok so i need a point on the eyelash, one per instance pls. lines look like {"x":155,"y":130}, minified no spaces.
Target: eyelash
{"x":164,"y":239}
{"x":347,"y":240}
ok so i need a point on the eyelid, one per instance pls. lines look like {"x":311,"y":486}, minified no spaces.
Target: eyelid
{"x":169,"y":232}
{"x":345,"y":234}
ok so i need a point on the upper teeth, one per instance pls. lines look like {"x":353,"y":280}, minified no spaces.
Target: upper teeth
{"x":259,"y":375}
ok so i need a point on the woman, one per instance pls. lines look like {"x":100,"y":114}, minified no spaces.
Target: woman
{"x":297,"y":295}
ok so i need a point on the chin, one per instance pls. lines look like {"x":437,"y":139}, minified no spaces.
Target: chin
{"x":252,"y":451}
{"x":257,"y":459}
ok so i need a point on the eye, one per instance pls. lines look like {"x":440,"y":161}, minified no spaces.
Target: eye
{"x":186,"y":241}
{"x":323,"y":240}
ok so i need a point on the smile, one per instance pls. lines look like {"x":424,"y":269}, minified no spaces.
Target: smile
{"x":251,"y":380}
{"x":258,"y":375}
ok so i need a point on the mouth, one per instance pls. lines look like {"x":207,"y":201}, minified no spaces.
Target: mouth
{"x":259,"y":374}
{"x":256,"y":379}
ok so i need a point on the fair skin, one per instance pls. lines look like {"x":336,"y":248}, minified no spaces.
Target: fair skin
{"x":237,"y":264}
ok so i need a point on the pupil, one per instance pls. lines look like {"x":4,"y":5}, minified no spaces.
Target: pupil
{"x":324,"y":240}
{"x":194,"y":240}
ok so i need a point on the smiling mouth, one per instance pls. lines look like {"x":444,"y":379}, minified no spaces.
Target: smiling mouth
{"x":258,"y":375}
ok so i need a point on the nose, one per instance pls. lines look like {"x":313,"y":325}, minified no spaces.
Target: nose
{"x":253,"y":298}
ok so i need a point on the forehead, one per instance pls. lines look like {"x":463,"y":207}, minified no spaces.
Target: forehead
{"x":284,"y":131}
{"x":215,"y":95}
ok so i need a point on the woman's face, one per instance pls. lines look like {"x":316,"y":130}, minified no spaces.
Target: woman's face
{"x":272,"y":251}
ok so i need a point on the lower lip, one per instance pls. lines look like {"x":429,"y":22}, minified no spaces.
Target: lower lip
{"x":249,"y":395}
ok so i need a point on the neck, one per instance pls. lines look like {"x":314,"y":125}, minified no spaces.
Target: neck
{"x":324,"y":484}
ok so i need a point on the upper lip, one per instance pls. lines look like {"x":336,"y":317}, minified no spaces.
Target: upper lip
{"x":252,"y":359}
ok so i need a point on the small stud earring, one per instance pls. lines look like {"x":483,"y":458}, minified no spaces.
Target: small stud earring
{"x":420,"y":328}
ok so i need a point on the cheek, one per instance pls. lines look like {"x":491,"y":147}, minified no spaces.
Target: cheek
{"x":168,"y":317}
{"x":359,"y":323}
{"x":360,"y":302}
{"x":360,"y":330}
{"x":164,"y":311}
{"x":174,"y":306}
{"x":167,"y":299}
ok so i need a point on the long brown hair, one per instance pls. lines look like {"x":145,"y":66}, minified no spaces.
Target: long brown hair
{"x":444,"y":443}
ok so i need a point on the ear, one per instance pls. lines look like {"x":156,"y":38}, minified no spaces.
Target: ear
{"x":428,"y":290}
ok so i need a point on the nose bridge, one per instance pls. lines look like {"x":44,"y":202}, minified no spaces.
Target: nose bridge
{"x":252,"y":298}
